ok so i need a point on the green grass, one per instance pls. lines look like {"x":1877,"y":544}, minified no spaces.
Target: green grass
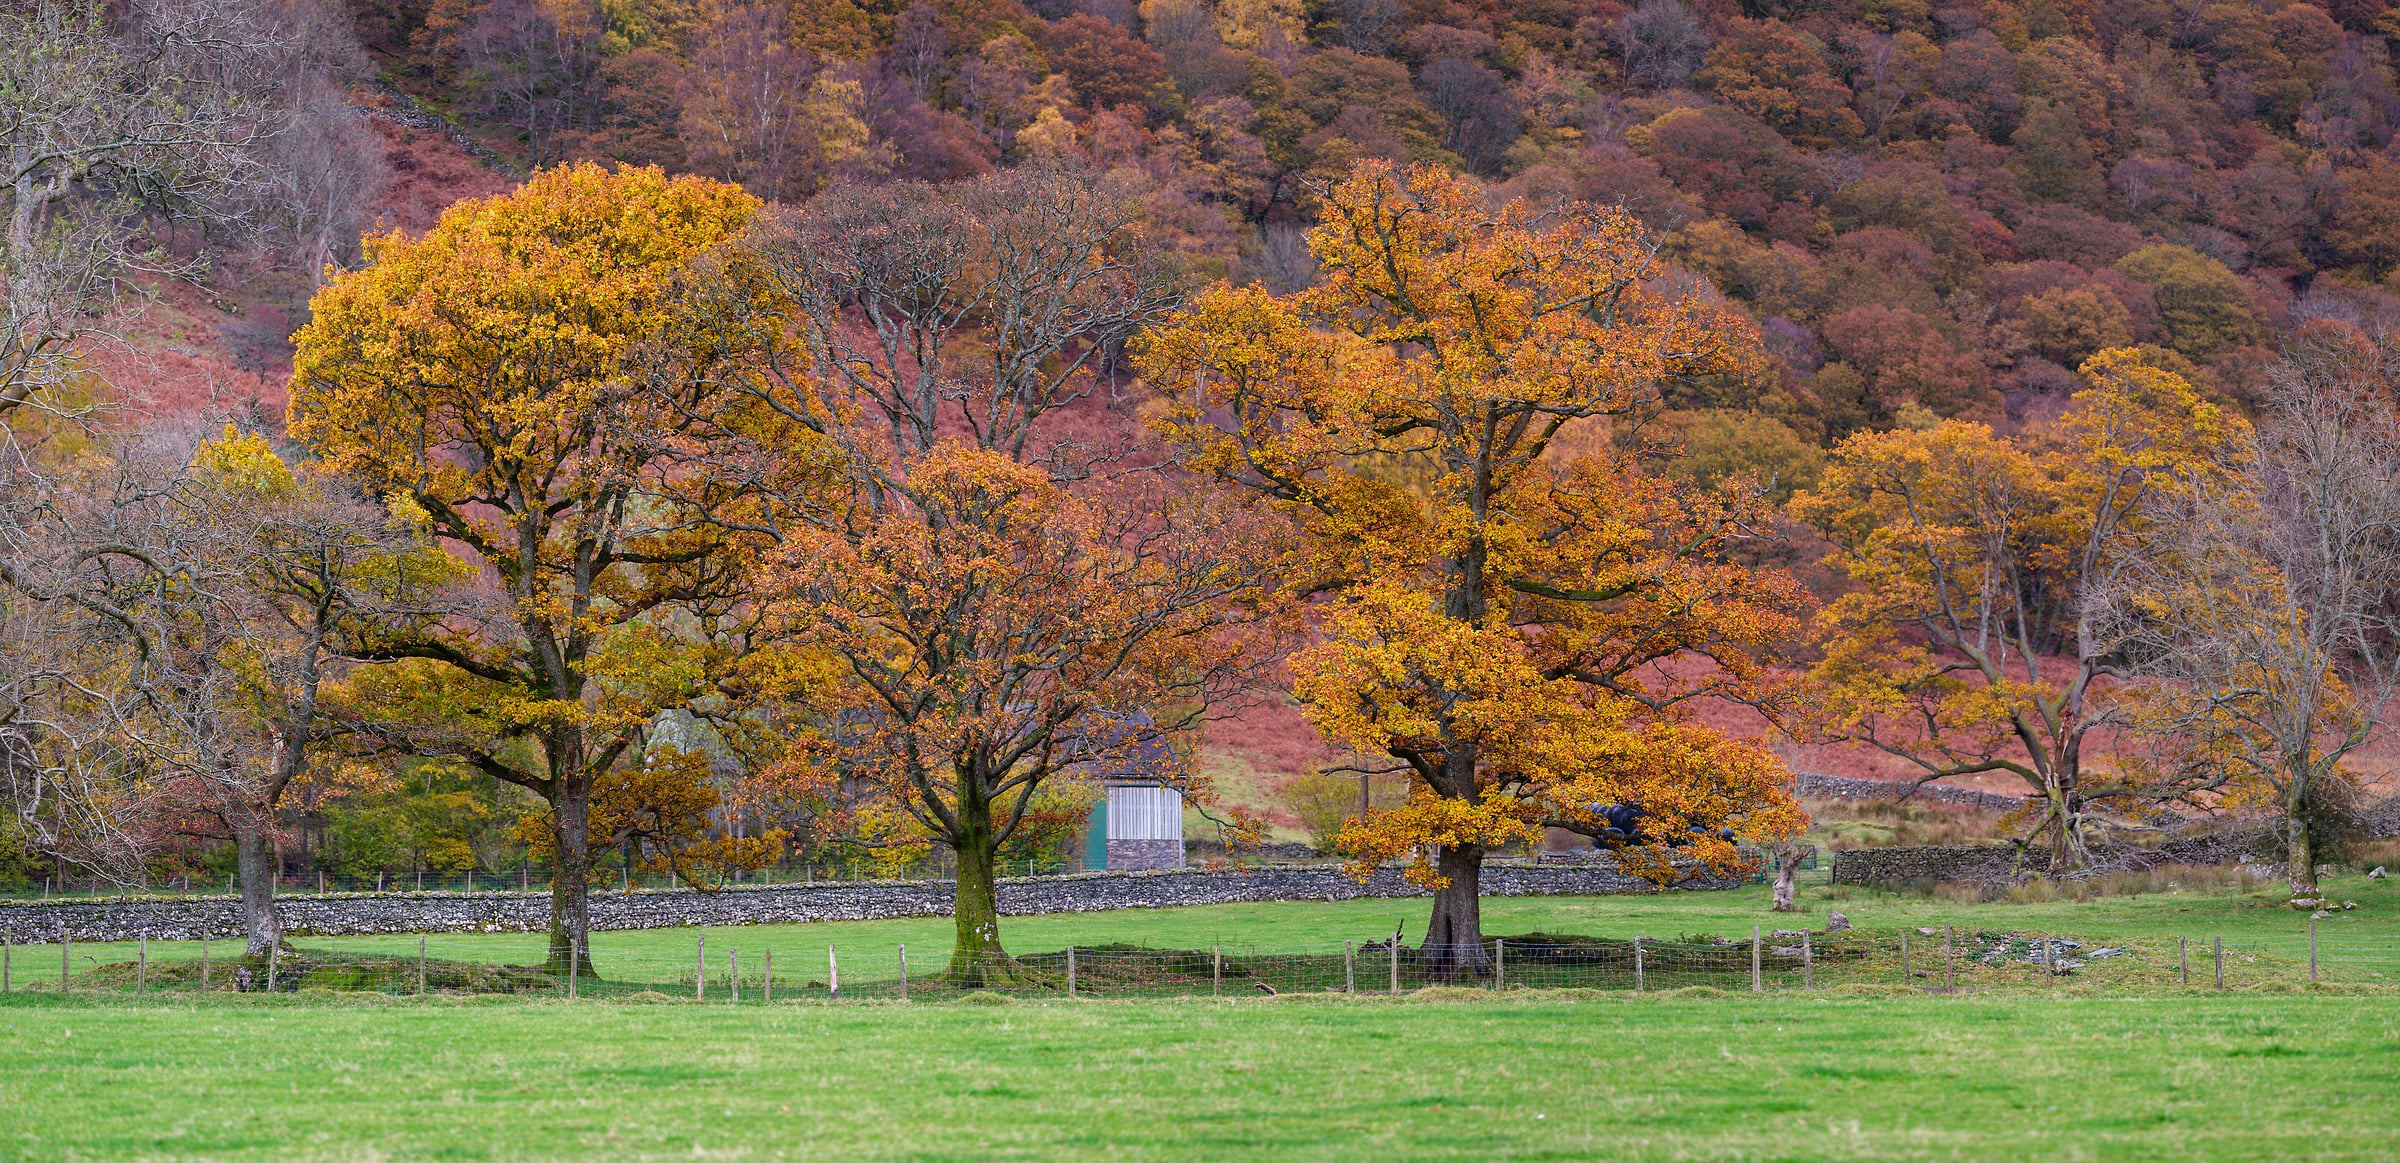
{"x":2020,"y":1070}
{"x":1524,"y":1077}
{"x":2200,"y":915}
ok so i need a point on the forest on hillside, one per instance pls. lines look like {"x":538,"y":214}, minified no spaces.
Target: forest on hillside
{"x":1931,"y":209}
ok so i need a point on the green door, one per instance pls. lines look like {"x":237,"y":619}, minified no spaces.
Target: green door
{"x":1095,"y":841}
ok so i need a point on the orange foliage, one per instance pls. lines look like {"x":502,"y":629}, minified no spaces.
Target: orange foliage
{"x":1495,"y":615}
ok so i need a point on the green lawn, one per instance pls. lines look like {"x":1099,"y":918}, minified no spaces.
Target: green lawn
{"x":2200,"y":915}
{"x":1526,"y":1077}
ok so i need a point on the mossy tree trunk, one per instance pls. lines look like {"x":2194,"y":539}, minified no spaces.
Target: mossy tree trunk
{"x":976,"y":957}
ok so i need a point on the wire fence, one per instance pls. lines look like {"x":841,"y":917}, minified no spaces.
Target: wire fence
{"x":727,"y":970}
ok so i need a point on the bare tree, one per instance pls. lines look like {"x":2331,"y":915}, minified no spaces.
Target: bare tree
{"x":744,"y":104}
{"x":327,"y":170}
{"x":182,"y":610}
{"x":537,"y":66}
{"x":1661,"y":42}
{"x":2269,"y":602}
{"x":118,"y":121}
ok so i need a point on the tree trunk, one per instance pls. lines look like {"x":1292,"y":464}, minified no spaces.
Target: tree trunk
{"x":976,"y":958}
{"x":2300,"y":854}
{"x":255,"y":864}
{"x":1453,"y":947}
{"x":571,"y":878}
{"x":1787,"y":876}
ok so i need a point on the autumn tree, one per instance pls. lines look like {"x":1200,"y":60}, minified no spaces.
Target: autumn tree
{"x":2202,"y":303}
{"x":1776,"y":73}
{"x":1966,"y":645}
{"x":1497,"y":615}
{"x":758,"y":112}
{"x":199,"y":602}
{"x":1005,"y":591}
{"x":505,"y":378}
{"x":2265,"y":602}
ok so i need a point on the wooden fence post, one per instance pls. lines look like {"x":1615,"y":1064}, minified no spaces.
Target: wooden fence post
{"x":833,"y":976}
{"x":1637,"y":965}
{"x":1216,"y":970}
{"x":8,"y":951}
{"x":1395,"y":965}
{"x":1758,"y":983}
{"x":141,"y":960}
{"x":2312,"y":950}
{"x":1808,"y":963}
{"x":767,"y":987}
{"x":204,"y":958}
{"x":574,"y":967}
{"x":1349,"y":967}
{"x":904,"y":973}
{"x":1499,"y":963}
{"x":274,"y":962}
{"x":1070,"y":972}
{"x":733,"y":971}
{"x":700,"y":969}
{"x":2220,"y":963}
{"x":420,"y":966}
{"x":1906,"y":978}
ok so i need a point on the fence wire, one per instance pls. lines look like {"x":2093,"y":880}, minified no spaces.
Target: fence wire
{"x":722,"y":968}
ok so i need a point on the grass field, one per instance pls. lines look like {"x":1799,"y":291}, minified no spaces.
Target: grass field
{"x":2201,"y":913}
{"x":2183,"y":1077}
{"x":2067,"y":1071}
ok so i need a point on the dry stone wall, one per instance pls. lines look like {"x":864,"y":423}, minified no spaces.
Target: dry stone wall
{"x":1819,"y":785}
{"x":184,"y":918}
{"x":1998,"y":863}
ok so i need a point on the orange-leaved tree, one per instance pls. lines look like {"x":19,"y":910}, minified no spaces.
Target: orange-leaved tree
{"x":1499,"y":611}
{"x":1970,"y":643}
{"x":505,"y":377}
{"x":1009,"y":592}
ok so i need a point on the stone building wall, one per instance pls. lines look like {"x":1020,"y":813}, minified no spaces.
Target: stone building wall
{"x":1144,"y":855}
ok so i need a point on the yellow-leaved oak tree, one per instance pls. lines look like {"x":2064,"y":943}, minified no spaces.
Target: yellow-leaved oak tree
{"x":1969,"y":642}
{"x":1498,"y":613}
{"x":1011,"y":591}
{"x":507,"y":377}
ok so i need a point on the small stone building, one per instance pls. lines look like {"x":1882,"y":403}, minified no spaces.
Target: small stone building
{"x":1143,"y":816}
{"x":1145,"y":826}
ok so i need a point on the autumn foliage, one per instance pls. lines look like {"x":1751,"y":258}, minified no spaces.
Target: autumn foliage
{"x":1970,"y":641}
{"x":1494,"y":614}
{"x":502,"y":379}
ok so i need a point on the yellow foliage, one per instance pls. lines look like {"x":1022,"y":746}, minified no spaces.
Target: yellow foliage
{"x":1497,"y":611}
{"x":1963,"y":645}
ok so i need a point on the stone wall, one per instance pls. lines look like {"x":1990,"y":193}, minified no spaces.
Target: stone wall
{"x":1819,"y":785}
{"x":1932,"y":863}
{"x":1996,"y":863}
{"x":183,"y":918}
